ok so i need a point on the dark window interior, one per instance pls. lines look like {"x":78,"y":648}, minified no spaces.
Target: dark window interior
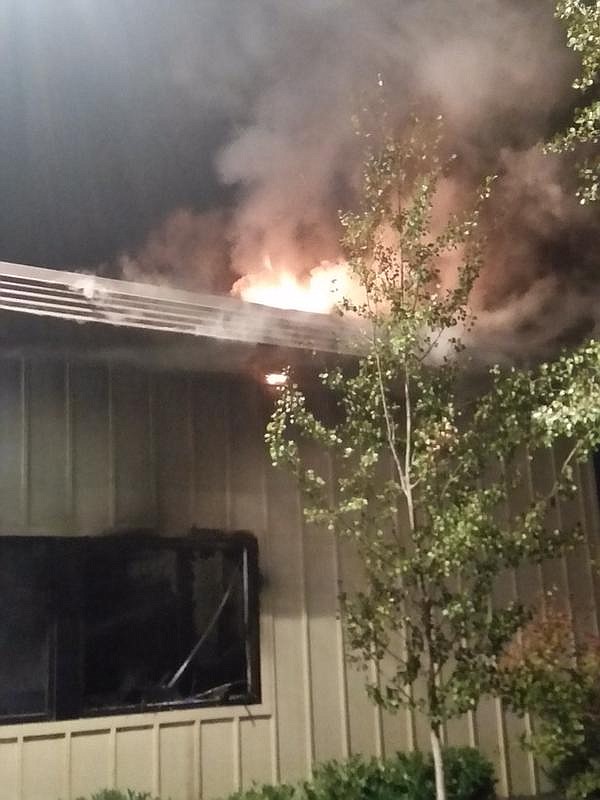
{"x":123,"y":623}
{"x":26,"y":601}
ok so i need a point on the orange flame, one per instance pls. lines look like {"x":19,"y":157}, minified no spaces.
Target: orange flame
{"x":318,"y":292}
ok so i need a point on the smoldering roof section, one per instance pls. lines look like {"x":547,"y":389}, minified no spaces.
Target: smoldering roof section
{"x":89,"y":299}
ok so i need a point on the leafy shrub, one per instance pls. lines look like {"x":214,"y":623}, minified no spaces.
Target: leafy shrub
{"x":283,"y":791}
{"x":407,"y":776}
{"x":469,"y":775}
{"x":557,"y":679}
{"x":355,"y":779}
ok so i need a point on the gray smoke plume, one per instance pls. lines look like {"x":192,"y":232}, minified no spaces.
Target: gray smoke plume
{"x":287,"y":79}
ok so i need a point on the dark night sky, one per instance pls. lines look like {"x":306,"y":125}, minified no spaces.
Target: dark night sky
{"x":194,"y":136}
{"x":98,"y":141}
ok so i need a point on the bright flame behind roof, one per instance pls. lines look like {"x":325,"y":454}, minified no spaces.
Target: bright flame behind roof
{"x":318,"y":292}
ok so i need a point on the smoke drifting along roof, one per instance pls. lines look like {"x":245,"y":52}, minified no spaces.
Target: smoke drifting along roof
{"x":227,"y":135}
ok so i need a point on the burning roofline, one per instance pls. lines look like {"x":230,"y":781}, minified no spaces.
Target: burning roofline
{"x":83,"y":298}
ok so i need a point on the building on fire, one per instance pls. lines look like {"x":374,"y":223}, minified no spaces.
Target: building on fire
{"x":168,"y":623}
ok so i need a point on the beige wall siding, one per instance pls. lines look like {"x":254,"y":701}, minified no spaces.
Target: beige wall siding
{"x":89,"y":449}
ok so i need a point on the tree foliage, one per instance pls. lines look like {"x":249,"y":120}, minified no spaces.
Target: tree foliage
{"x":581,"y":19}
{"x":424,"y":452}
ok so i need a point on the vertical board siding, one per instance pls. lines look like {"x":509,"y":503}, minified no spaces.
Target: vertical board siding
{"x":134,"y":482}
{"x":89,"y":387}
{"x":322,"y":610}
{"x":210,"y":431}
{"x":177,"y":773}
{"x":489,"y":720}
{"x":255,"y":738}
{"x":12,"y":435}
{"x":516,"y":771}
{"x":520,"y":769}
{"x":362,"y":715}
{"x":245,"y":469}
{"x":92,"y":448}
{"x":489,"y":737}
{"x":581,"y":588}
{"x":528,"y":587}
{"x":89,"y":768}
{"x":218,"y":769}
{"x":320,"y":575}
{"x":286,"y":593}
{"x":133,"y":749}
{"x":47,"y":446}
{"x":10,"y":751}
{"x":588,"y":482}
{"x":43,"y":768}
{"x":174,"y":453}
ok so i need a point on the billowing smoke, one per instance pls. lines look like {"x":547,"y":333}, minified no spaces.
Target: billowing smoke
{"x":189,"y":248}
{"x":287,"y":78}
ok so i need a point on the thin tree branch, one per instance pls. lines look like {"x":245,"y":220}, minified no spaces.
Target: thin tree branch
{"x":389,"y":422}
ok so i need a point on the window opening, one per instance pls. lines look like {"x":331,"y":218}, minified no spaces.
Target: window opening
{"x":123,"y":623}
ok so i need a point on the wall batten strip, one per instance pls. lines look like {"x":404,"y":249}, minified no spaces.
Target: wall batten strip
{"x":268,"y":669}
{"x":308,"y":701}
{"x":67,"y":766}
{"x":112,"y":755}
{"x":226,"y":389}
{"x":24,"y":475}
{"x":533,"y":770}
{"x":189,"y":405}
{"x":237,"y":753}
{"x":69,"y":475}
{"x":154,"y":490}
{"x":341,"y":644}
{"x":502,"y":765}
{"x":112,"y":471}
{"x":472,"y":728}
{"x":20,"y":775}
{"x":156,"y":759}
{"x":197,"y":756}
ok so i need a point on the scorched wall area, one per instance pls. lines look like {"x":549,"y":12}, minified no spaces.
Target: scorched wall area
{"x":90,"y":449}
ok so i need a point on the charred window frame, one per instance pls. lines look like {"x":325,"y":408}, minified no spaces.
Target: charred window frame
{"x":127,"y":623}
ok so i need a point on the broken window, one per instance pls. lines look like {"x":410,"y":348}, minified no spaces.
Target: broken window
{"x":125,"y":623}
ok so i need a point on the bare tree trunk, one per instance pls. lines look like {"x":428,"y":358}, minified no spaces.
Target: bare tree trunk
{"x":438,"y":764}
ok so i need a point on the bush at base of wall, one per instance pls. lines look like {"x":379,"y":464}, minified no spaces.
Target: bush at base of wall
{"x":407,"y":776}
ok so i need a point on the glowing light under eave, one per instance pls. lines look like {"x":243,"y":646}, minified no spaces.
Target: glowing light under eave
{"x":318,"y":292}
{"x":276,"y":378}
